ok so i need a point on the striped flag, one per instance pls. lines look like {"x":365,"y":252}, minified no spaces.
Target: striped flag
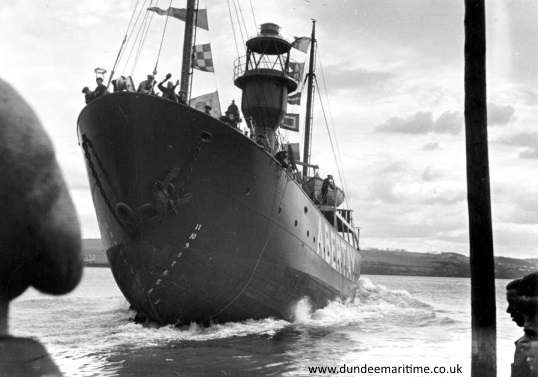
{"x":294,"y":98}
{"x":290,"y":122}
{"x":181,"y":14}
{"x":202,"y":58}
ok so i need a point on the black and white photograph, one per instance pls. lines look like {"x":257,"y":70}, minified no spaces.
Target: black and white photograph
{"x":269,"y":188}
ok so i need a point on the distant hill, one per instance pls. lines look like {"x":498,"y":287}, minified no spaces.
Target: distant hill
{"x":401,"y":262}
{"x":386,"y":262}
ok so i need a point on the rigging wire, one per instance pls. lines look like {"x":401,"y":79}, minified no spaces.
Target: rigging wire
{"x":233,"y":28}
{"x":125,"y":39}
{"x":336,"y":151}
{"x":242,"y":18}
{"x":145,"y":32}
{"x":143,"y":22}
{"x":253,"y":15}
{"x":162,"y":38}
{"x":239,"y":22}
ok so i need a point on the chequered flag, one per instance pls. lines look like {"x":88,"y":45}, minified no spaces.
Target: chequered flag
{"x":202,"y":58}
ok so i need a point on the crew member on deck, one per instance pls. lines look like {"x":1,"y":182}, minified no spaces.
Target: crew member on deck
{"x":87,"y":94}
{"x":327,"y":183}
{"x":207,"y":109}
{"x":146,"y":86}
{"x":169,"y":90}
{"x":182,"y":97}
{"x":100,"y":89}
{"x":282,"y":157}
{"x":228,"y":119}
{"x":234,"y":114}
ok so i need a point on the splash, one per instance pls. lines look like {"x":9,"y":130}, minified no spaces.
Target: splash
{"x":302,"y":311}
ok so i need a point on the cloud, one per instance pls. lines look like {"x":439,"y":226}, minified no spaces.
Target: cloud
{"x":499,"y":115}
{"x":527,"y":140}
{"x":529,"y":153}
{"x":398,"y":183}
{"x":431,"y":146}
{"x":430,"y":174}
{"x":419,"y":123}
{"x":356,"y":79}
{"x":450,"y":122}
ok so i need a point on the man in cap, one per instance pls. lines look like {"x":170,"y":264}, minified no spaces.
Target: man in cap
{"x":207,"y":109}
{"x":226,"y":119}
{"x":182,"y":97}
{"x":146,"y":86}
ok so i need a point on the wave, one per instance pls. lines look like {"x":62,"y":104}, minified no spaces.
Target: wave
{"x":373,"y":306}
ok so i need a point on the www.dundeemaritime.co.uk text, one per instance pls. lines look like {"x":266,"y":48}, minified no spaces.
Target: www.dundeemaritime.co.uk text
{"x":401,"y":369}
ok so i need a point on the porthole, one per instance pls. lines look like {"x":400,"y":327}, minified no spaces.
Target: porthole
{"x":305,"y":210}
{"x":308,"y":233}
{"x":296,"y":222}
{"x":206,"y":136}
{"x":279,"y":210}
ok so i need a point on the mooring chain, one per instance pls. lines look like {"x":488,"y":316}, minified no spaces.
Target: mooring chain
{"x":86,"y":145}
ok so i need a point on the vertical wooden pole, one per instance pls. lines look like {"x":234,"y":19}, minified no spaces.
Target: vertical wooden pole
{"x":484,"y":329}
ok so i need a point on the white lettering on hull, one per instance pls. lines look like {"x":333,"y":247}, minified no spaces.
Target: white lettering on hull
{"x":335,"y":251}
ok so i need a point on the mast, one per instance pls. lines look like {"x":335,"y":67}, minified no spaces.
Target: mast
{"x":308,"y":121}
{"x":187,"y":49}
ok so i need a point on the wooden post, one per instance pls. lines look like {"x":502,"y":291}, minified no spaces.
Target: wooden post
{"x":484,"y":331}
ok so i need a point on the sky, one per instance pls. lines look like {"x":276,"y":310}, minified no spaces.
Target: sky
{"x":391,"y":74}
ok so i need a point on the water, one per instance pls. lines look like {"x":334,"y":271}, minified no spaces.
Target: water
{"x":394,"y":321}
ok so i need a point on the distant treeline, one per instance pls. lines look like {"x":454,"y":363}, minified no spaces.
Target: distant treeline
{"x":401,"y":262}
{"x":386,"y":262}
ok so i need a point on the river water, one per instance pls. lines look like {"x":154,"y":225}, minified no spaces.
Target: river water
{"x":395,"y":321}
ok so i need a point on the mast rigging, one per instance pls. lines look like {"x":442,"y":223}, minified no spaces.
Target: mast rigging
{"x":308,"y":121}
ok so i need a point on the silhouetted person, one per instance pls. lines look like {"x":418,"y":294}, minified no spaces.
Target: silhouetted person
{"x":327,"y":183}
{"x":527,"y":305}
{"x":39,"y":237}
{"x":207,"y":109}
{"x":520,"y":367}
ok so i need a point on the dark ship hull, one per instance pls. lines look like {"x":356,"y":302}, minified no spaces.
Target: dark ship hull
{"x":199,"y":223}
